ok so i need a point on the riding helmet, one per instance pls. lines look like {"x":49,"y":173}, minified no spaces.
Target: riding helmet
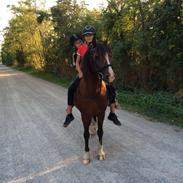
{"x":73,"y":38}
{"x":88,"y":30}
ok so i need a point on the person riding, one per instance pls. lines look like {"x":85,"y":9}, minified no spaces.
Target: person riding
{"x":75,"y":42}
{"x":89,"y":35}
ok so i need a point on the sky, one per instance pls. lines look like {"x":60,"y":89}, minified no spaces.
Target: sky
{"x":5,"y":14}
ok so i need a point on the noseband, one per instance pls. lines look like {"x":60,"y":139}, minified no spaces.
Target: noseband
{"x":105,"y":67}
{"x":99,"y":72}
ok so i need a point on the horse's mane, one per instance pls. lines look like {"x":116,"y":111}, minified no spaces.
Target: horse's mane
{"x":99,"y":52}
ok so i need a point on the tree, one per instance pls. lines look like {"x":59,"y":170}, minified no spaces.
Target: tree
{"x":22,"y":37}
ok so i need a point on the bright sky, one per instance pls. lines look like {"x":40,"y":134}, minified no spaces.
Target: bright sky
{"x":5,"y":14}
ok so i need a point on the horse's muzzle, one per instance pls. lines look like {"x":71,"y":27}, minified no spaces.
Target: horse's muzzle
{"x":111,"y":79}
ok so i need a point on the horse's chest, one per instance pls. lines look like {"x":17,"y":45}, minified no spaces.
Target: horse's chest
{"x":91,"y":104}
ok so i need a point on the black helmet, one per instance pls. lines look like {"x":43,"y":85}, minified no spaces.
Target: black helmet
{"x":73,"y":38}
{"x":88,"y":30}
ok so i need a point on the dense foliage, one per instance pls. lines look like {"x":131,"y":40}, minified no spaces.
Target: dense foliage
{"x":145,"y":36}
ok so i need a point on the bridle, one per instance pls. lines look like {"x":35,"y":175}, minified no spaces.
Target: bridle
{"x":99,"y":72}
{"x":105,"y":67}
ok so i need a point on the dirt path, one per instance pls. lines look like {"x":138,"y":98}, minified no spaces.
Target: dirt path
{"x":34,"y":147}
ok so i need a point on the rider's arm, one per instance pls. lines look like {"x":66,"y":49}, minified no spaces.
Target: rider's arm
{"x":112,"y":75}
{"x":73,"y":59}
{"x":78,"y":68}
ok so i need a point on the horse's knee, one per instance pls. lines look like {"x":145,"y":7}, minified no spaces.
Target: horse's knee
{"x":86,"y":137}
{"x":100,"y":132}
{"x":86,"y":134}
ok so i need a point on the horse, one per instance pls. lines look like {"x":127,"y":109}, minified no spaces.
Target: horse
{"x":91,"y":95}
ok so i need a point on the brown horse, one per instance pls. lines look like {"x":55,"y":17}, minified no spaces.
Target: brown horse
{"x":91,"y":95}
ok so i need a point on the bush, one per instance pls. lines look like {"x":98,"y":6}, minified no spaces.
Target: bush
{"x":161,"y":105}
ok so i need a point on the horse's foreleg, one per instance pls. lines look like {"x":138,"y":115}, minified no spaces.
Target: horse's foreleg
{"x":86,"y":122}
{"x":86,"y":137}
{"x":101,"y":153}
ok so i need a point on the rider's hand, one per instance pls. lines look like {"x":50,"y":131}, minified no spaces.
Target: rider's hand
{"x":80,"y":75}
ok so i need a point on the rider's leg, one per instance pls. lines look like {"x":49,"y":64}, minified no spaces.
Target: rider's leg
{"x":69,"y":109}
{"x":112,"y":101}
{"x":72,"y":88}
{"x":112,"y":98}
{"x":113,"y":107}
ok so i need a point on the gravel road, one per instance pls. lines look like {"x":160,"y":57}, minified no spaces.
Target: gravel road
{"x":34,"y":147}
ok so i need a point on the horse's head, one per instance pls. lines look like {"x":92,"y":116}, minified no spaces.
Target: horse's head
{"x":97,"y":62}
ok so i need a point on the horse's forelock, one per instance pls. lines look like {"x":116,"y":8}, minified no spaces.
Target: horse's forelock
{"x":98,"y":53}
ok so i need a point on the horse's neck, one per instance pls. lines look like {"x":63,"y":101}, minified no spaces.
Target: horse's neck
{"x":92,"y":85}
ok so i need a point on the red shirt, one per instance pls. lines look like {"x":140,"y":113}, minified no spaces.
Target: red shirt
{"x":82,"y":50}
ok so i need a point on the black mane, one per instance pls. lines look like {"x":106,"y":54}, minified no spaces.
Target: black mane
{"x":98,"y":52}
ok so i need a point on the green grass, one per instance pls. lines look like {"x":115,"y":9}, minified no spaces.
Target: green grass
{"x":161,"y":106}
{"x":52,"y":77}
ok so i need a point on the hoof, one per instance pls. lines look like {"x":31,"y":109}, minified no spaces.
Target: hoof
{"x":101,"y":157}
{"x":101,"y":152}
{"x":86,"y":158}
{"x":86,"y":161}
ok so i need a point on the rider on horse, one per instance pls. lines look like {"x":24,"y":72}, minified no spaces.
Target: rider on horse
{"x":89,"y":35}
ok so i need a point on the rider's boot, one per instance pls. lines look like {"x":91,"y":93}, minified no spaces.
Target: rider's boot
{"x":113,"y":117}
{"x":69,"y":118}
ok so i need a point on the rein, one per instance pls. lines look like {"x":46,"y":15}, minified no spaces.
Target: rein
{"x":105,"y":67}
{"x":99,"y":72}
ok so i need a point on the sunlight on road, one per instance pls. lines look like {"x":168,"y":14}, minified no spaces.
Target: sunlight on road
{"x":6,"y":75}
{"x":49,"y":169}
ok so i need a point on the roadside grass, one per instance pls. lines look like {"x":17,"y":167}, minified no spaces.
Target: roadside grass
{"x":52,"y":77}
{"x":161,"y":106}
